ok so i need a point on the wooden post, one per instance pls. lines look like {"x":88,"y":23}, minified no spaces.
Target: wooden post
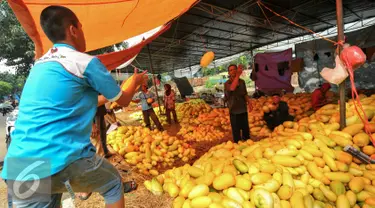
{"x":191,"y":74}
{"x":153,"y":76}
{"x":252,"y":65}
{"x":340,"y":37}
{"x":191,"y":70}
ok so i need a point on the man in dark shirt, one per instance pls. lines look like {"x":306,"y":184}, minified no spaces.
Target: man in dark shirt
{"x":278,"y":116}
{"x":238,"y":101}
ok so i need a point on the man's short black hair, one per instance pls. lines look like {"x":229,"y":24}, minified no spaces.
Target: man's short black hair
{"x":54,"y":21}
{"x":232,"y":65}
{"x":276,"y":94}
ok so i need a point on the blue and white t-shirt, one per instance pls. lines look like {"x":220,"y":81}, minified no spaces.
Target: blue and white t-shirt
{"x":143,"y":96}
{"x":57,"y":107}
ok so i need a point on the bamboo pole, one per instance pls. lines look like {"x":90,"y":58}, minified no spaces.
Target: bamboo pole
{"x":153,"y":76}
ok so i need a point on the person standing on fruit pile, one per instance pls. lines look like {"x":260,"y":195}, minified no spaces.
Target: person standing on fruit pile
{"x":56,"y":111}
{"x":238,"y":102}
{"x":278,"y":113}
{"x":318,"y":97}
{"x":170,"y":103}
{"x":146,"y":98}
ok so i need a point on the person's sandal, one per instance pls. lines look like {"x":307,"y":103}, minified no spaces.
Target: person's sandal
{"x":84,"y":198}
{"x":130,"y":186}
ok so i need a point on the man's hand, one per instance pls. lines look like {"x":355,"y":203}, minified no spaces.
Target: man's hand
{"x":94,"y":131}
{"x":139,"y":77}
{"x":239,"y":70}
{"x":131,"y":89}
{"x":235,"y":82}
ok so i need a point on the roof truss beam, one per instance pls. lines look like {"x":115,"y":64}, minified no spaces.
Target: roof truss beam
{"x":201,"y":44}
{"x":191,"y":48}
{"x":201,"y":52}
{"x":242,"y":25}
{"x":305,"y":15}
{"x":219,"y":38}
{"x":348,"y":8}
{"x":222,"y":30}
{"x":261,"y":19}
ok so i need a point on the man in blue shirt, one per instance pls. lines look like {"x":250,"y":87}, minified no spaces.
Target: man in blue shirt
{"x":146,"y":98}
{"x":55,"y":117}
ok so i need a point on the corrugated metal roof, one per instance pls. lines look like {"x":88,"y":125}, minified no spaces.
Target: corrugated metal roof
{"x":230,"y":27}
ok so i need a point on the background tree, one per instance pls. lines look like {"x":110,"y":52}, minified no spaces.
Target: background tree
{"x":16,"y":81}
{"x":5,"y":89}
{"x":16,"y":48}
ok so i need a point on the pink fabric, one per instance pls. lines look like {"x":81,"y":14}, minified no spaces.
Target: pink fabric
{"x":271,"y":80}
{"x":170,"y":100}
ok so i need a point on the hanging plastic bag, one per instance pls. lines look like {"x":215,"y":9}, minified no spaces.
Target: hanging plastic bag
{"x":352,"y":57}
{"x":336,"y":75}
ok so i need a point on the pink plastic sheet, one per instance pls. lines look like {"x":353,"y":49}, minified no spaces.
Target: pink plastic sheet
{"x":268,"y":77}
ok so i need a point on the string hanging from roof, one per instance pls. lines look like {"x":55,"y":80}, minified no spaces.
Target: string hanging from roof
{"x":260,"y":4}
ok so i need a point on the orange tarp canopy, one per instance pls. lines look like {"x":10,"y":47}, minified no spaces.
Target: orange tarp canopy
{"x":105,"y":22}
{"x":115,"y":59}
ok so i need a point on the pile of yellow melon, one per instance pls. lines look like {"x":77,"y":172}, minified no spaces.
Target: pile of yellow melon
{"x":329,"y":116}
{"x":258,"y":128}
{"x":299,"y":104}
{"x":299,"y":107}
{"x":218,"y":117}
{"x":191,"y":109}
{"x":301,"y":165}
{"x":185,"y":112}
{"x":200,"y":133}
{"x":147,"y":149}
{"x":207,"y":126}
{"x":162,"y":118}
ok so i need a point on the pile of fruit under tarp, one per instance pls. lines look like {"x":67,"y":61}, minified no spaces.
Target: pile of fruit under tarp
{"x":299,"y":107}
{"x":200,"y":122}
{"x":201,"y":128}
{"x":206,"y":127}
{"x":302,"y":164}
{"x":149,"y":150}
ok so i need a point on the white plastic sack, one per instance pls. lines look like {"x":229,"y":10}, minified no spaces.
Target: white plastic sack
{"x":336,"y":75}
{"x":294,"y":80}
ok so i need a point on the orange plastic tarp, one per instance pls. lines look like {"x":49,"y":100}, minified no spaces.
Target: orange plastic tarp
{"x":115,"y":59}
{"x":105,"y":22}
